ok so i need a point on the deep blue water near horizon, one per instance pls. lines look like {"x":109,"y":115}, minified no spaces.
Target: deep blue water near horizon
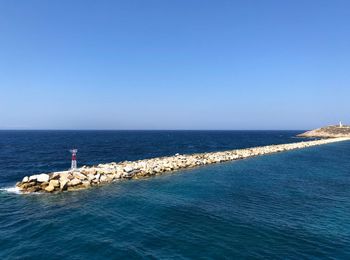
{"x":294,"y":204}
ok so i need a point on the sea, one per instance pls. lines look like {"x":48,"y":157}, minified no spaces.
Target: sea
{"x":290,"y":205}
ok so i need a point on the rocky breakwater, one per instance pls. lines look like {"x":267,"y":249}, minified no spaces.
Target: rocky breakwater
{"x":86,"y":177}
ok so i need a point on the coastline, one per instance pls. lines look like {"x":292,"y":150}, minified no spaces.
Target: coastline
{"x":86,"y":177}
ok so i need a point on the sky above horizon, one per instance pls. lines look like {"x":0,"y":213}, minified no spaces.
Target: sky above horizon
{"x":181,"y":64}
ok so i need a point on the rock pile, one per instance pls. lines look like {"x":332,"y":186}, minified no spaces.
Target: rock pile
{"x":86,"y":177}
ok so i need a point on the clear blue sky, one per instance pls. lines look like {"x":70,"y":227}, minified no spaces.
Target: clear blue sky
{"x":174,"y":64}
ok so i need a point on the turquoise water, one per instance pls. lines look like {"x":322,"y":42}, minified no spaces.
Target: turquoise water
{"x":289,"y":205}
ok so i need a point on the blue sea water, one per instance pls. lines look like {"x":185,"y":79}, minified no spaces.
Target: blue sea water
{"x":291,"y":205}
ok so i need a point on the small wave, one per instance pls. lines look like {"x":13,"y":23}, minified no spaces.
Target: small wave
{"x":11,"y":190}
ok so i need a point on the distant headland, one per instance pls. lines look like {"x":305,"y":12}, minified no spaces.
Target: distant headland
{"x":332,"y":131}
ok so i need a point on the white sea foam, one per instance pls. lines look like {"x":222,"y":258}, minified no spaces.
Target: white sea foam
{"x":11,"y":190}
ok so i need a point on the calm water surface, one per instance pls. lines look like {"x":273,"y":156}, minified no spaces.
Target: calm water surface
{"x":289,"y":205}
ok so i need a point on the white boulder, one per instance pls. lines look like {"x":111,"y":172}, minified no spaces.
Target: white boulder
{"x":42,"y":177}
{"x":33,"y":177}
{"x":128,"y":169}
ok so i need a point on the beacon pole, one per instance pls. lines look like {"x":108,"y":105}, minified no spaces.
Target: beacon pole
{"x":74,"y":159}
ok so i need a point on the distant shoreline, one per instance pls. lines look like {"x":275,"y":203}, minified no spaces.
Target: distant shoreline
{"x":161,"y":130}
{"x":333,"y":131}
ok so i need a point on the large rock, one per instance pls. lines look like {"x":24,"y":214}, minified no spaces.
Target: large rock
{"x":79,"y":175}
{"x":43,"y":185}
{"x":90,"y":176}
{"x":106,"y":170}
{"x":128,"y":169}
{"x":55,"y":176}
{"x":25,"y":186}
{"x":54,"y":183}
{"x":50,"y":188}
{"x":86,"y":184}
{"x":103,"y":178}
{"x":63,"y":175}
{"x":33,"y":178}
{"x":33,"y":189}
{"x":43,"y":177}
{"x":128,"y":175}
{"x":110,"y":177}
{"x":74,"y":182}
{"x":63,"y":184}
{"x":89,"y":171}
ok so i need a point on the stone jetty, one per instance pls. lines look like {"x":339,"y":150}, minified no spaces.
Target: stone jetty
{"x":86,"y":177}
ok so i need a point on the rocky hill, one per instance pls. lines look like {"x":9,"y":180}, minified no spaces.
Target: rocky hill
{"x":328,"y":132}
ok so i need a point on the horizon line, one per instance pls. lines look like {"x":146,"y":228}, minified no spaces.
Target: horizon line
{"x":29,"y":129}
